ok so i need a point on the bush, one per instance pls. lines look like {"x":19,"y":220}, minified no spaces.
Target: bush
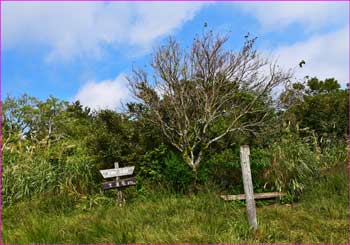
{"x":224,"y":170}
{"x":152,"y":164}
{"x":333,"y":155}
{"x":177,"y":173}
{"x":26,"y":178}
{"x":293,"y":163}
{"x":260,"y":161}
{"x":77,"y":174}
{"x":161,"y":166}
{"x":37,"y":172}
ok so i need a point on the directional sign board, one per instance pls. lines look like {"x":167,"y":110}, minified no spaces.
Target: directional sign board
{"x":119,"y":183}
{"x":116,"y":172}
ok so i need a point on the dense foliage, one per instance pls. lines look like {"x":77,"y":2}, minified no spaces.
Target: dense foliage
{"x":57,"y":147}
{"x":321,"y":106}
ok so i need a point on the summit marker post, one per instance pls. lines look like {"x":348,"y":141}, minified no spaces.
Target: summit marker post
{"x":248,"y":186}
{"x":118,"y":183}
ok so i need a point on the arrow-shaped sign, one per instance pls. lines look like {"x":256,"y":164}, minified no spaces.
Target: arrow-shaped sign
{"x":116,"y":172}
{"x":119,"y":183}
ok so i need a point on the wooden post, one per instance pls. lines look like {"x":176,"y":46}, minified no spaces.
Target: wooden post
{"x":119,"y":193}
{"x":248,"y":186}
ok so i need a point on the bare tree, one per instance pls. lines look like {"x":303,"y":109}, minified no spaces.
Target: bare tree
{"x":191,"y":91}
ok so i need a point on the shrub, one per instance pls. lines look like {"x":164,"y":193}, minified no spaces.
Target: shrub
{"x":260,"y":161}
{"x":224,"y":170}
{"x":77,"y":174}
{"x":293,"y":163}
{"x":55,"y":171}
{"x":23,"y":179}
{"x":333,"y":155}
{"x":177,"y":173}
{"x":152,"y":164}
{"x":161,"y":166}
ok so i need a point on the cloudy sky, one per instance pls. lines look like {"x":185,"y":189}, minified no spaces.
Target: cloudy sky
{"x":83,"y":50}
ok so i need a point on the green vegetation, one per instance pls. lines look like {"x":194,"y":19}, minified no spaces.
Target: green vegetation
{"x":52,"y":151}
{"x":319,"y":217}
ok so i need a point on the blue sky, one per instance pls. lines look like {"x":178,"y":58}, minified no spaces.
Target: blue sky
{"x":83,"y":50}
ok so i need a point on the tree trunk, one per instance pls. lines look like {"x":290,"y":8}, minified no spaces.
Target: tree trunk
{"x":192,"y":160}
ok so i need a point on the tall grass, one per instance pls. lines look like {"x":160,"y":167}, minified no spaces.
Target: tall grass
{"x":28,"y":172}
{"x":319,"y":217}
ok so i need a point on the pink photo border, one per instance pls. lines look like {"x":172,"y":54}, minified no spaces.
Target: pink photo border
{"x":348,"y":166}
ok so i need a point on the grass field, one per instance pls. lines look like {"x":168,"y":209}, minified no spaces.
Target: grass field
{"x":319,"y":217}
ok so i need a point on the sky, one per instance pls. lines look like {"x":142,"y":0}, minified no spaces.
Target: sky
{"x":84,"y":50}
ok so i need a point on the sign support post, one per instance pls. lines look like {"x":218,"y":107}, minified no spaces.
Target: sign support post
{"x":119,"y":193}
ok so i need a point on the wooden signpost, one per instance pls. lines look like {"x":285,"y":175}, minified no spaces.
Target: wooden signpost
{"x":249,"y":195}
{"x":118,"y":183}
{"x":248,"y":186}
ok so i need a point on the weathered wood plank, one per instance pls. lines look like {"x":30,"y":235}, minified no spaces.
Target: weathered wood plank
{"x":116,"y":172}
{"x":120,"y":193}
{"x":248,"y":186}
{"x":119,"y":183}
{"x":265,"y":195}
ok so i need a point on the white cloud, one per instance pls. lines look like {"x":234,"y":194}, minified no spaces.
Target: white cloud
{"x":72,"y":29}
{"x":325,"y":52}
{"x":312,"y":15}
{"x":325,"y":55}
{"x":160,"y":18}
{"x":107,"y":94}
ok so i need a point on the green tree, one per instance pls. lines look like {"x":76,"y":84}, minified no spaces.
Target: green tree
{"x":318,"y":105}
{"x":39,"y":121}
{"x":114,"y":138}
